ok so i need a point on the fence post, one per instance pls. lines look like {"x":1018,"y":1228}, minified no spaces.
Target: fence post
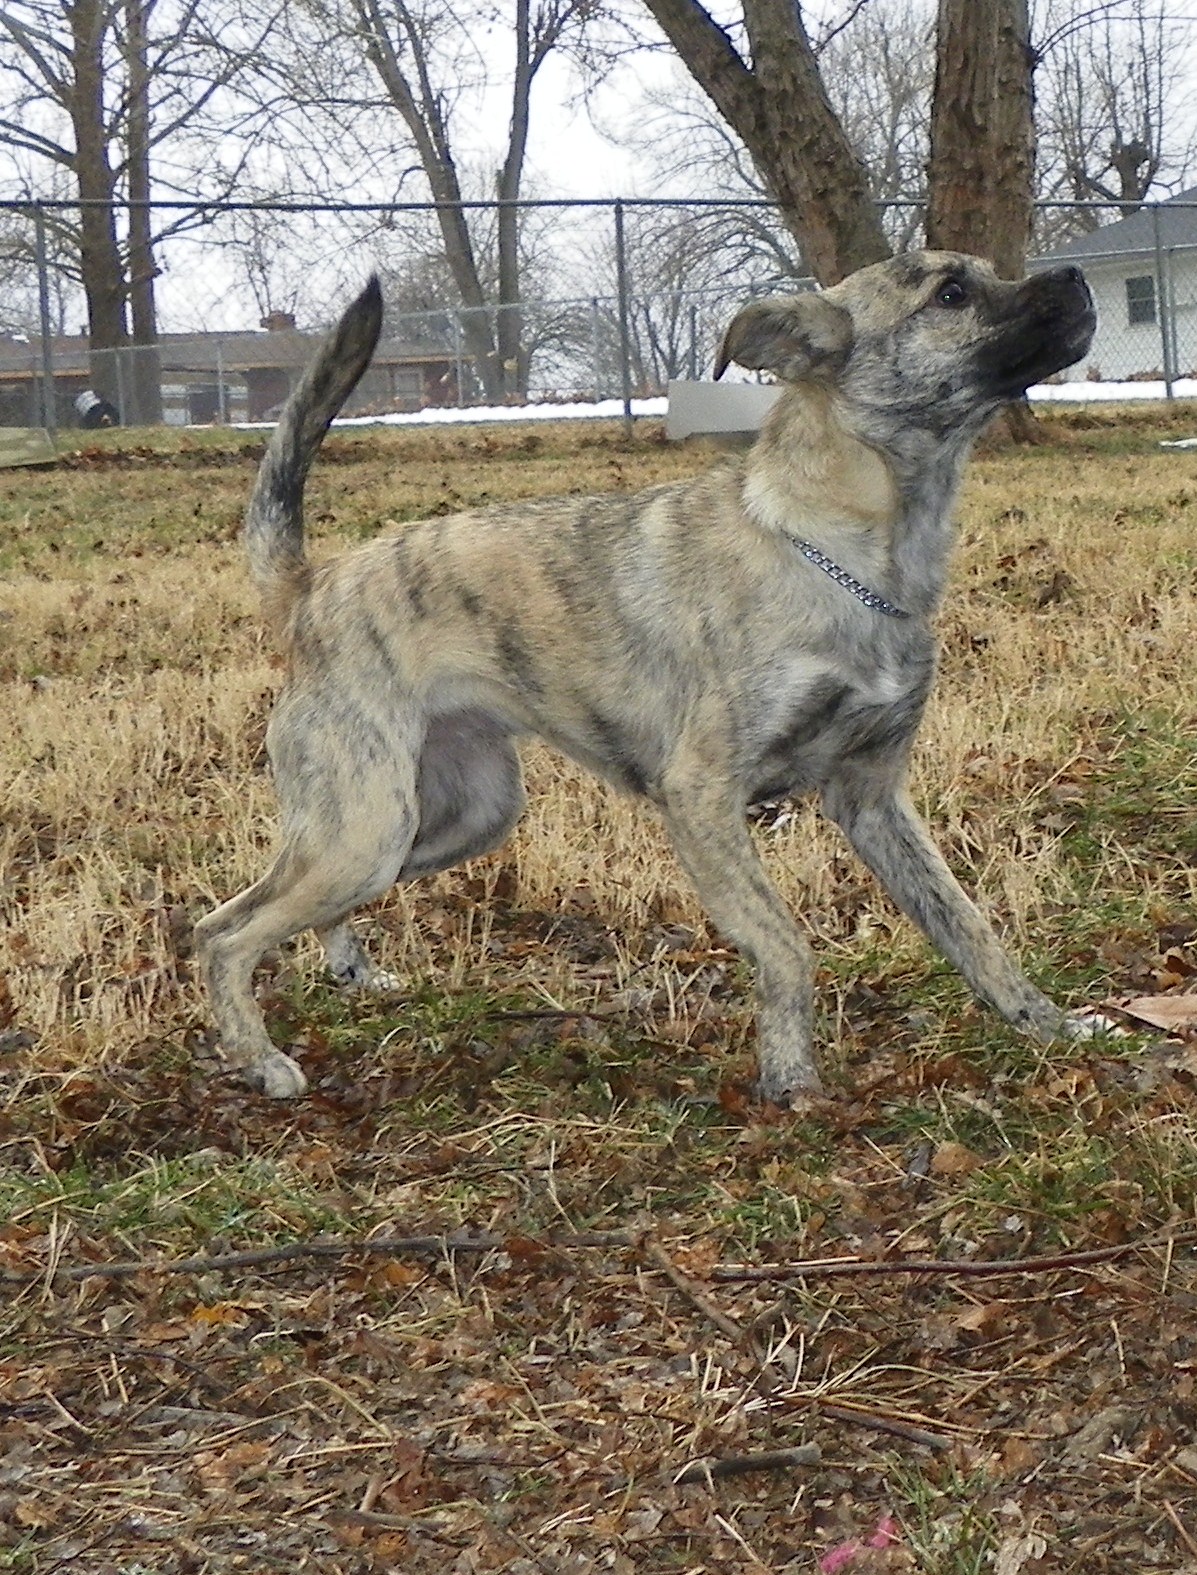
{"x":1162,"y":301}
{"x":49,"y":395}
{"x":625,"y":335}
{"x":595,"y":349}
{"x":222,"y":389}
{"x":459,"y":396}
{"x":1173,"y":327}
{"x":122,"y":404}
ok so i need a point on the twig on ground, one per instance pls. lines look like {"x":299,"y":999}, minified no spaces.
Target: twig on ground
{"x":1180,"y":1528}
{"x":746,"y":1339}
{"x":885,"y":1424}
{"x":660,"y":1259}
{"x":377,"y":1246}
{"x":484,"y":1242}
{"x":831,"y":1268}
{"x":738,"y":1465}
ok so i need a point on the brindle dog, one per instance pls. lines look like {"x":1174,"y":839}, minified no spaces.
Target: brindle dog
{"x":764,"y":629}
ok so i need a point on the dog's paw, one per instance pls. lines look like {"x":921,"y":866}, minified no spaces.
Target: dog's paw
{"x":363,"y":978}
{"x":800,"y":1092}
{"x":1091,"y":1025}
{"x":379,"y":982}
{"x":276,"y":1076}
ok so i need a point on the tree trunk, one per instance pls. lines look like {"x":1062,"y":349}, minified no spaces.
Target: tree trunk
{"x":981,"y":169}
{"x":509,"y":326}
{"x":980,"y":174}
{"x":420,"y":109}
{"x":99,"y":253}
{"x":780,"y":110}
{"x":146,"y":377}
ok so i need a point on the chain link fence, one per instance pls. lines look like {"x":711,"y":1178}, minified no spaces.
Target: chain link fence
{"x":618,"y":298}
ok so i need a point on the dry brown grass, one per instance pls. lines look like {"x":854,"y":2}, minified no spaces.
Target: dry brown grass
{"x":574,"y":1051}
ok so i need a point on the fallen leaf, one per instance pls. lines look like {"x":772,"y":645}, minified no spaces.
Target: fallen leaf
{"x":954,"y":1159}
{"x":1019,"y":1455}
{"x":1016,"y":1551}
{"x":1172,"y":1013}
{"x":33,"y":1513}
{"x":641,"y":1523}
{"x":1096,"y":1436}
{"x":977,"y":1319}
{"x":218,"y":1313}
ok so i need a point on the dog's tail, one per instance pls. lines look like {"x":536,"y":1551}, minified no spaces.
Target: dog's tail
{"x":274,"y":518}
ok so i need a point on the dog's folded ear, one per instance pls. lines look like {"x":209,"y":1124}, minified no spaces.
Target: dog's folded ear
{"x":796,"y":336}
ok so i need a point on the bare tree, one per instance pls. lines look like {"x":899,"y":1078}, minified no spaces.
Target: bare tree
{"x":766,"y":84}
{"x":422,"y":63}
{"x":879,"y":69}
{"x":687,"y":274}
{"x":20,"y":304}
{"x":142,"y":269}
{"x":1116,"y":99}
{"x":774,"y":95}
{"x":97,"y":89}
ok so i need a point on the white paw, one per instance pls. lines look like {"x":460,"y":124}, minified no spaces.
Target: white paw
{"x":379,"y":982}
{"x":277,"y":1076}
{"x":366,"y":980}
{"x":1091,"y":1025}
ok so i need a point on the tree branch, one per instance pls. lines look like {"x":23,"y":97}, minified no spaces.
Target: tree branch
{"x":324,"y":1249}
{"x":838,"y":1268}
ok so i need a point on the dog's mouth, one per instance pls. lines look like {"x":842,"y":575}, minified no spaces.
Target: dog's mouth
{"x":1053,"y":329}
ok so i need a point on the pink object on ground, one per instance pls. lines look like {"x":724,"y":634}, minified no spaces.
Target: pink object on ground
{"x":884,"y":1535}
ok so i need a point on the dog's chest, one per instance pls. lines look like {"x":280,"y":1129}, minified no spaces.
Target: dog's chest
{"x":813,"y":726}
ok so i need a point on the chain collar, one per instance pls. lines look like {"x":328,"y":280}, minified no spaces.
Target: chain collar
{"x":841,"y":577}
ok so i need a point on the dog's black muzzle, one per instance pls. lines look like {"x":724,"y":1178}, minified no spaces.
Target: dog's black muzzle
{"x":1049,"y":325}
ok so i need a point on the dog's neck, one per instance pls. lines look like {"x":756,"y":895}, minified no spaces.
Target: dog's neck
{"x":829,"y":478}
{"x":887,"y":517}
{"x":925,"y":532}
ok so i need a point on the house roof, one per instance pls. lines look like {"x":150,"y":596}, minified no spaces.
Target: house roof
{"x":232,"y":352}
{"x":1137,"y":232}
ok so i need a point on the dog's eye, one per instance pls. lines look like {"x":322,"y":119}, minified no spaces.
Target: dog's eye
{"x":951,"y":293}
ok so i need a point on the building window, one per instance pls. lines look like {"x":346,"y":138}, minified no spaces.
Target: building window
{"x":1140,"y":299}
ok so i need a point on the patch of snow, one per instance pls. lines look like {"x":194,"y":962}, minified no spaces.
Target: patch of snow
{"x":600,"y":410}
{"x":1182,"y":388}
{"x":612,"y":409}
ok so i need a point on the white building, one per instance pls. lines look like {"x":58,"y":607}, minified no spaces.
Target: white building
{"x":1143,"y":274}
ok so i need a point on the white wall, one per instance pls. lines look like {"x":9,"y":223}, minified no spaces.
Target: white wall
{"x":1122,"y":349}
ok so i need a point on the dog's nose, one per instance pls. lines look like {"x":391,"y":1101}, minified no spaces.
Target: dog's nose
{"x":1070,"y":274}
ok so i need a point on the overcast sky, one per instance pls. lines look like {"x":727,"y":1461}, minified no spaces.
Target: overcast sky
{"x":569,"y":155}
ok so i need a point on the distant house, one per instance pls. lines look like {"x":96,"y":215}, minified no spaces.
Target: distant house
{"x":1143,"y":274}
{"x":209,"y":377}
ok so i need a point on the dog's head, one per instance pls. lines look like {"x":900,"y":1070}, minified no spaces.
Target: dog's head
{"x":934,"y":339}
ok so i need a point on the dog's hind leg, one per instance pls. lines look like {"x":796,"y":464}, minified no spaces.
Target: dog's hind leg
{"x":470,"y":791}
{"x":350,"y":965}
{"x":886,"y":831}
{"x":350,"y":819}
{"x":712,"y":841}
{"x":470,"y":794}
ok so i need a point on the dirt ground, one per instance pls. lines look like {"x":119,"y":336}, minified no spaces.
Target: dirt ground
{"x":529,"y":1282}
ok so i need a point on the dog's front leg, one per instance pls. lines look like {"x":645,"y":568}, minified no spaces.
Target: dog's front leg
{"x":709,"y":834}
{"x":888,"y":834}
